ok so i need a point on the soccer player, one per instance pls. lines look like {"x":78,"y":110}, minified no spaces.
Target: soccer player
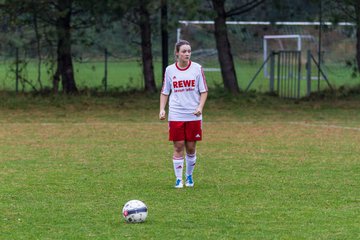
{"x":185,"y":83}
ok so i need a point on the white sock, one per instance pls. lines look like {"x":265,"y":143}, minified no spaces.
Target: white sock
{"x":178,"y":166}
{"x":190,"y":163}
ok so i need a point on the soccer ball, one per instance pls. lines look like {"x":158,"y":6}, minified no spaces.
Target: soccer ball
{"x":135,"y":211}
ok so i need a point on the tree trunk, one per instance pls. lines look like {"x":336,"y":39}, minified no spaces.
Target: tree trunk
{"x":164,"y":36}
{"x":64,"y":60}
{"x":357,"y":9}
{"x":358,"y":47}
{"x":224,"y":51}
{"x":147,"y":59}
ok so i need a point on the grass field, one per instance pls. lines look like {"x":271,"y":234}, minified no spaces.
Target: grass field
{"x":267,"y":169}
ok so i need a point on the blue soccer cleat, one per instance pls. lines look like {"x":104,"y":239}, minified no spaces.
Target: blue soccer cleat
{"x":179,"y":183}
{"x":189,"y":181}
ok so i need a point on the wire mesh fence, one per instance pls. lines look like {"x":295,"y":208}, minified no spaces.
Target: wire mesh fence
{"x":19,"y":72}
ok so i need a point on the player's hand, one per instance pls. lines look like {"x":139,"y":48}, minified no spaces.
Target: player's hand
{"x":162,"y":115}
{"x":198,"y":112}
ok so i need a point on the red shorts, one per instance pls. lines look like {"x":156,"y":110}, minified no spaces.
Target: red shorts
{"x":185,"y":131}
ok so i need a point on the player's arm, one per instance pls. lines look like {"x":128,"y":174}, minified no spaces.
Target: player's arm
{"x":163,"y":101}
{"x":199,"y":109}
{"x":203,"y":93}
{"x":164,"y":95}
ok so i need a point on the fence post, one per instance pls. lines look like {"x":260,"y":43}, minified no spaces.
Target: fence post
{"x":278,"y":74}
{"x":299,"y":74}
{"x":106,"y":69}
{"x":308,"y":73}
{"x":17,"y":70}
{"x":272,"y":71}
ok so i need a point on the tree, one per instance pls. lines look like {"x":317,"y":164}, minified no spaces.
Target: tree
{"x":347,"y":10}
{"x":70,"y":16}
{"x":62,"y":17}
{"x":147,"y":58}
{"x":222,"y":41}
{"x":64,"y":59}
{"x":138,"y":21}
{"x":164,"y":35}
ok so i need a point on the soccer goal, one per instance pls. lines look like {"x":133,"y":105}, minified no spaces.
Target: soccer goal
{"x":253,"y":41}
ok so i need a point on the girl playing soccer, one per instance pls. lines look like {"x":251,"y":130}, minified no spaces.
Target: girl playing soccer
{"x":185,"y":83}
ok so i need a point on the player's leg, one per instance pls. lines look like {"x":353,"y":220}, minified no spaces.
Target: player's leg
{"x":193,"y":133}
{"x":176,"y":134}
{"x":178,"y":162}
{"x":190,"y":162}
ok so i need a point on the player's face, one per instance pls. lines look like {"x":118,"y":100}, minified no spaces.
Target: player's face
{"x":184,"y":53}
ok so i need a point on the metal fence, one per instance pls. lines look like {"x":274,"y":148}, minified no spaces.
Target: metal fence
{"x":289,"y":77}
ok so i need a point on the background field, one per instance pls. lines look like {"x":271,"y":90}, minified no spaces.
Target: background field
{"x":267,"y":169}
{"x":127,"y":75}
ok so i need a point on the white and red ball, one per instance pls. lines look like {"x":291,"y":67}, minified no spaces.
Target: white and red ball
{"x":135,"y":211}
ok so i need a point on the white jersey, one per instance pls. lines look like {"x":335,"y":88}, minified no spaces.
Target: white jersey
{"x":185,"y":85}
